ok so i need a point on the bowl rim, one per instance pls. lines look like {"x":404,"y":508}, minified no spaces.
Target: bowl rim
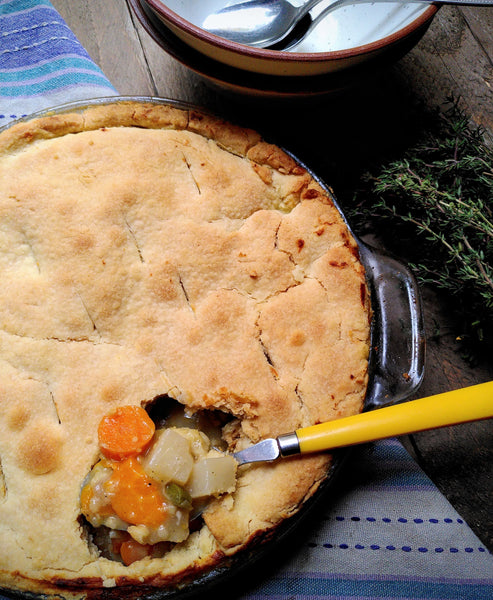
{"x":262,"y":54}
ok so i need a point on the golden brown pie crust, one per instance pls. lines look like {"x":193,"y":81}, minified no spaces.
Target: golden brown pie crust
{"x":149,"y":250}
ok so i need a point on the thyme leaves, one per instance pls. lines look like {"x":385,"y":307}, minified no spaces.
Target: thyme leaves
{"x":434,"y":207}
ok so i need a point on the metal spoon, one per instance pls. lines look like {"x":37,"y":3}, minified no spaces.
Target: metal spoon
{"x":259,"y":23}
{"x":450,"y":408}
{"x":265,"y":23}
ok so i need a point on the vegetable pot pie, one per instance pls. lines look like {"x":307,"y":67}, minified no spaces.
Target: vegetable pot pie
{"x":152,"y":255}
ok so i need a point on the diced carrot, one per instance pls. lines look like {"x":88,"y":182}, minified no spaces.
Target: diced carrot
{"x":125,"y":432}
{"x":85,"y":498}
{"x":131,"y":551}
{"x":117,"y":538}
{"x":135,"y":497}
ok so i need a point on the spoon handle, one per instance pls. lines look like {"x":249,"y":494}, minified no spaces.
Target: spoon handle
{"x":450,"y":408}
{"x":335,"y":4}
{"x":462,"y":2}
{"x":338,"y":3}
{"x":438,"y":2}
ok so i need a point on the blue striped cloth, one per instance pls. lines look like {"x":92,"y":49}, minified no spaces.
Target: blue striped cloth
{"x":42,"y":63}
{"x":387,"y":532}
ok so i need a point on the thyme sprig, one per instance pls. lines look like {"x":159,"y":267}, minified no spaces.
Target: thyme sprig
{"x":434,"y":206}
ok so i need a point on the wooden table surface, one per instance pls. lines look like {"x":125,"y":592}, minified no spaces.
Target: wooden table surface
{"x":337,"y":138}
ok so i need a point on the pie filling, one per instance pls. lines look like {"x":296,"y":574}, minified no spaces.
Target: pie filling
{"x":153,"y":479}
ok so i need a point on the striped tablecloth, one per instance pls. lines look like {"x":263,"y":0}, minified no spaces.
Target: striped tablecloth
{"x":388,"y":533}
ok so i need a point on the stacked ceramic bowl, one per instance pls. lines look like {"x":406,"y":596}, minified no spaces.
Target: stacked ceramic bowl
{"x":342,"y":46}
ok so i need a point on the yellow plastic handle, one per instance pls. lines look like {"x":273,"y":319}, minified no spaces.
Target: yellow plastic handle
{"x":450,"y":408}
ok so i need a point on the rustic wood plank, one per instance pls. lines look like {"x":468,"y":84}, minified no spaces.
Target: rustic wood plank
{"x":171,"y":79}
{"x":480,"y":22}
{"x":106,"y":31}
{"x":454,"y":59}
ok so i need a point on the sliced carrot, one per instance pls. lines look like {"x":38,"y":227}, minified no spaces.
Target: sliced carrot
{"x":125,"y":432}
{"x":131,"y":551}
{"x":135,"y":497}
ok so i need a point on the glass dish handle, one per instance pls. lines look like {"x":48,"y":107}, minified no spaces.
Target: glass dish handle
{"x":398,"y":341}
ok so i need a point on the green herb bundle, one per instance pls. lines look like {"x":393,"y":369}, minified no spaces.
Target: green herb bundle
{"x":434,"y":207}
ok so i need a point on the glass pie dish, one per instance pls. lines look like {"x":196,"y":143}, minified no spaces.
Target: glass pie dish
{"x":396,"y":356}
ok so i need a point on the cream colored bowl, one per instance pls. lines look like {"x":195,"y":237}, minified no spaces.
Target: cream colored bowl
{"x":345,"y":38}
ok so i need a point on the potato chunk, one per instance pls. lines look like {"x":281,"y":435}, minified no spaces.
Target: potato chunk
{"x":170,"y":458}
{"x":212,"y":476}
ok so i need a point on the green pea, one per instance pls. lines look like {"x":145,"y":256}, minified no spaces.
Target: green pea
{"x":178,"y":496}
